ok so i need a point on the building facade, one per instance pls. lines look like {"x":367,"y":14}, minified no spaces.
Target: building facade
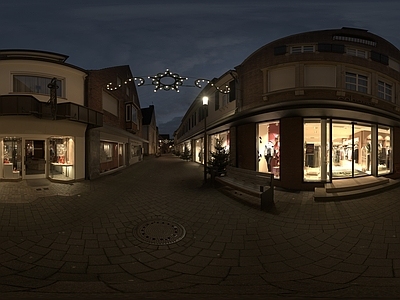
{"x":64,"y":123}
{"x":312,"y":108}
{"x":43,"y":116}
{"x":119,"y":142}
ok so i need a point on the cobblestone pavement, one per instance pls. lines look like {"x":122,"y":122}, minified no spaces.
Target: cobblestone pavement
{"x":110,"y":239}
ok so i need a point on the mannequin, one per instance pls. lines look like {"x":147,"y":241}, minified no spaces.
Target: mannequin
{"x":268,"y":150}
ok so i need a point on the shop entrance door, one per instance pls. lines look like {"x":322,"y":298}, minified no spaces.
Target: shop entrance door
{"x":35,"y":162}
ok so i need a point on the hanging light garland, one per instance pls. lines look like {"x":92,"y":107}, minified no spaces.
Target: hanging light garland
{"x":168,"y":81}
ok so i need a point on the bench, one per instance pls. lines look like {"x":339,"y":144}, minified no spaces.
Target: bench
{"x":253,"y":183}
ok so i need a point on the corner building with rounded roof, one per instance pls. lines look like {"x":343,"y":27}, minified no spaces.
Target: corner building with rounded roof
{"x":312,"y":108}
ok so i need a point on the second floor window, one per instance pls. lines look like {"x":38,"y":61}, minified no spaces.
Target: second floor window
{"x":302,"y":49}
{"x":356,"y":52}
{"x":34,"y":85}
{"x":384,"y":90}
{"x":128,"y":112}
{"x":356,"y":82}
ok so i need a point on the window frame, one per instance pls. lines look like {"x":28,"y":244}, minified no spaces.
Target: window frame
{"x":357,"y":52}
{"x":383,"y":94}
{"x":357,"y":83}
{"x":302,"y":49}
{"x":38,"y":88}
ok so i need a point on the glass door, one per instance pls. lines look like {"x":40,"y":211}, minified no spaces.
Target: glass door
{"x":35,"y":162}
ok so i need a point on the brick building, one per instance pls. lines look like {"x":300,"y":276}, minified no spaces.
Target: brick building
{"x":310,"y":108}
{"x":120,"y":138}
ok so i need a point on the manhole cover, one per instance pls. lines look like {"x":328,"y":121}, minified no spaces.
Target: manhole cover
{"x":160,"y":232}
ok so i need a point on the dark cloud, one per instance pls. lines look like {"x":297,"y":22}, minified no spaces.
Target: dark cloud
{"x":193,"y":38}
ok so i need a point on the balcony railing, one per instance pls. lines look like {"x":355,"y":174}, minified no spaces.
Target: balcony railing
{"x":29,"y":105}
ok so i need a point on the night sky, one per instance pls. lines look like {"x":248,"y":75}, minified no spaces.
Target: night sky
{"x":196,"y":39}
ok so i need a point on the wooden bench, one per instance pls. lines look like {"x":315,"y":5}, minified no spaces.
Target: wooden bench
{"x":253,"y":183}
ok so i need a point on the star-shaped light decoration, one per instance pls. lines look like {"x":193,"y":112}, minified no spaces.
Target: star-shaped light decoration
{"x":167,"y":81}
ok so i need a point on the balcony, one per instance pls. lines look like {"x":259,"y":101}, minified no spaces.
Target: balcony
{"x":29,"y":105}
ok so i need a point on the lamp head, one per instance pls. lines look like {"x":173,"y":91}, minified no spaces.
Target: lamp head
{"x":205,"y":100}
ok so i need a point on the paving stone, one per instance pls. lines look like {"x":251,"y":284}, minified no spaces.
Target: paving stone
{"x":54,"y":241}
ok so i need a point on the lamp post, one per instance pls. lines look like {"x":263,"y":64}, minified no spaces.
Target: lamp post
{"x":205,"y":106}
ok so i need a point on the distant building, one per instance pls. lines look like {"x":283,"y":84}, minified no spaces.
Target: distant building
{"x":166,"y":145}
{"x":310,"y":108}
{"x":149,"y":129}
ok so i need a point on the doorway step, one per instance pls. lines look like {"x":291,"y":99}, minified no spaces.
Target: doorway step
{"x":352,"y":188}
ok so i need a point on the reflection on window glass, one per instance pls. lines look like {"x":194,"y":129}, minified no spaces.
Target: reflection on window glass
{"x":12,"y":158}
{"x":312,"y":150}
{"x":384,"y":151}
{"x":106,"y":152}
{"x":34,"y":85}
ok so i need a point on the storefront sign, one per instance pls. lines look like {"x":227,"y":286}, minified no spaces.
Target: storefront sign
{"x":359,"y":101}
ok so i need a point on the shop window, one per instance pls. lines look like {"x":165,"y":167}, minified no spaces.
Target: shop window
{"x":269,"y":148}
{"x":136,"y":150}
{"x":356,"y":82}
{"x":384,"y":151}
{"x":316,"y":149}
{"x":352,"y":150}
{"x":223,"y":138}
{"x":109,"y":156}
{"x":61,"y":154}
{"x":35,"y":85}
{"x":106,"y":152}
{"x":384,"y":90}
{"x":12,"y":158}
{"x":198,"y":151}
{"x":362,"y":149}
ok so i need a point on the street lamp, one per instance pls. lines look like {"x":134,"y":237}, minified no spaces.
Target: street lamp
{"x":205,"y":106}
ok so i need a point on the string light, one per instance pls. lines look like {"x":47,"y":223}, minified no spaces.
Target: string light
{"x":168,"y":81}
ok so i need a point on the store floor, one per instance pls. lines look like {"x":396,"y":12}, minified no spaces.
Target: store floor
{"x":155,"y":231}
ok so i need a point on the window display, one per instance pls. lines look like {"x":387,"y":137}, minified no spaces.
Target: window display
{"x":12,"y":158}
{"x":354,"y":152}
{"x":198,"y":151}
{"x":61,"y":153}
{"x":384,"y":151}
{"x":269,"y":148}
